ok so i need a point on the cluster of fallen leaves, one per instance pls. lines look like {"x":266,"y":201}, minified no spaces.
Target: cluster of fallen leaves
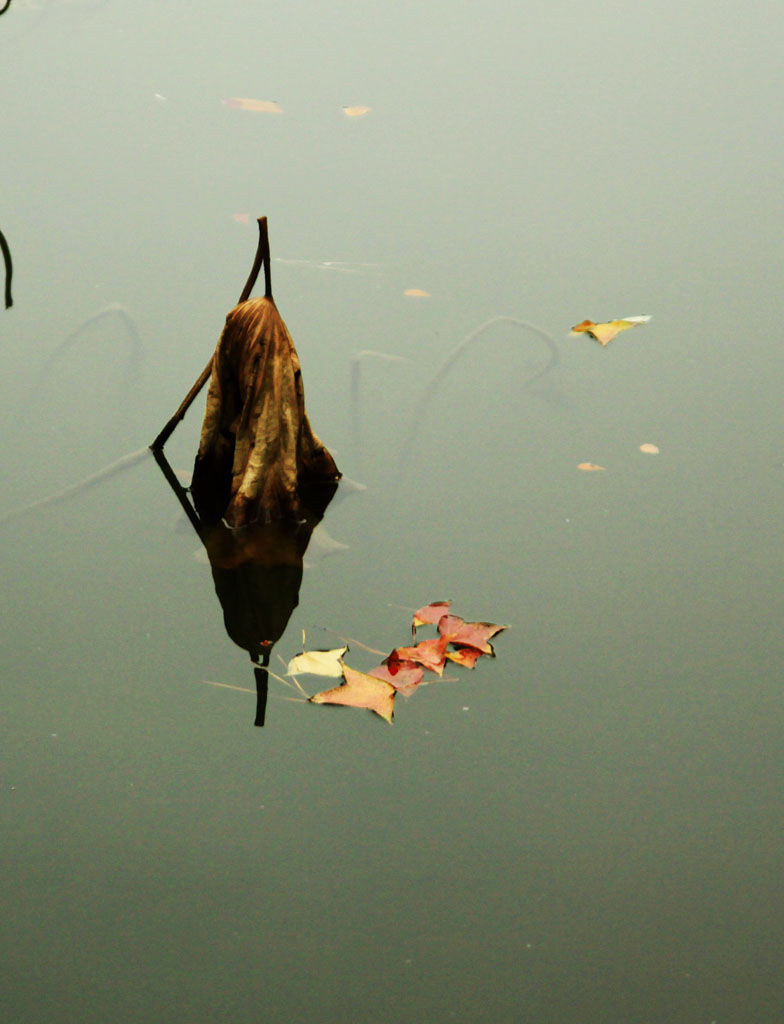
{"x":404,"y":668}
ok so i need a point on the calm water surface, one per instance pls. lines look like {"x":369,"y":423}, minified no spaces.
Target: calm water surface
{"x":586,"y":829}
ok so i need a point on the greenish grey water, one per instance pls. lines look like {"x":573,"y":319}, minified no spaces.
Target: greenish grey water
{"x":587,"y":829}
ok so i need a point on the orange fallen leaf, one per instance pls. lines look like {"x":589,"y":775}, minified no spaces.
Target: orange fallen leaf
{"x":468,"y":634}
{"x":360,"y":691}
{"x":604,"y":333}
{"x":259,"y":106}
{"x":589,"y":467}
{"x":356,"y":111}
{"x":416,"y":293}
{"x":431,"y":613}
{"x":649,"y":449}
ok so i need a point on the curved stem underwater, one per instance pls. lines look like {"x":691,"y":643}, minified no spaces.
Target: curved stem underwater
{"x":6,"y":250}
{"x":449,"y":362}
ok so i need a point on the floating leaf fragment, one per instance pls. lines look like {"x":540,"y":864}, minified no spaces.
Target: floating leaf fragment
{"x":465,"y":656}
{"x":416,"y":293}
{"x":468,"y":634}
{"x":431,"y":613}
{"x":259,"y":106}
{"x":604,"y":333}
{"x":589,"y":467}
{"x":318,"y":663}
{"x":361,"y":691}
{"x":649,"y":449}
{"x":356,"y":111}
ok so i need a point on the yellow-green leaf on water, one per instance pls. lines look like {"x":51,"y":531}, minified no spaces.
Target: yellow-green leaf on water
{"x":318,"y":663}
{"x":604,"y":333}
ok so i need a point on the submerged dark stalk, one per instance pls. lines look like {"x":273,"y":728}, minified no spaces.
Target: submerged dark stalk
{"x":355,"y":389}
{"x":179,"y":491}
{"x":9,"y":266}
{"x":114,"y":309}
{"x":69,"y":492}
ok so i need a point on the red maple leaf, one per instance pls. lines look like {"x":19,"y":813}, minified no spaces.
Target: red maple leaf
{"x":405,"y":679}
{"x":428,"y":653}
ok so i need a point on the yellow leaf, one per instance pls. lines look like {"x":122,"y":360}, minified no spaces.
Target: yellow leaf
{"x":589,"y":467}
{"x":649,"y":449}
{"x":361,"y":691}
{"x":259,"y":106}
{"x":356,"y":111}
{"x":604,"y":333}
{"x":318,"y":663}
{"x":416,"y":293}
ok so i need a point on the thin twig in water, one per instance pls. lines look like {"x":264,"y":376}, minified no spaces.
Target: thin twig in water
{"x":228,"y":686}
{"x":244,"y":689}
{"x":287,"y":682}
{"x":341,"y":266}
{"x":401,"y":608}
{"x":355,"y":643}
